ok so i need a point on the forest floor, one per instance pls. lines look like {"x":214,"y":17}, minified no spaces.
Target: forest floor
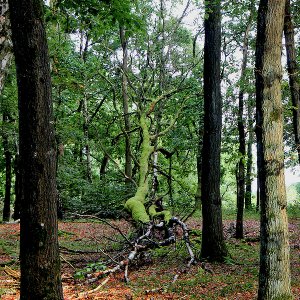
{"x":86,"y":246}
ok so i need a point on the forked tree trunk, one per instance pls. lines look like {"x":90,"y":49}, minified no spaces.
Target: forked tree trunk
{"x":39,"y":252}
{"x":293,"y":70}
{"x":213,"y":245}
{"x":274,"y":274}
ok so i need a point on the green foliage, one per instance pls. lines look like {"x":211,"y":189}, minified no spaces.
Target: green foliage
{"x":91,"y":267}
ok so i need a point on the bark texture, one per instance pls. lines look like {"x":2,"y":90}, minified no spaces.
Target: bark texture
{"x":293,"y":70}
{"x":39,"y":253}
{"x":213,"y":245}
{"x":274,"y":276}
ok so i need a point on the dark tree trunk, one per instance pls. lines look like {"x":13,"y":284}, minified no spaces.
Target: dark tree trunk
{"x":39,"y":252}
{"x":199,"y":165}
{"x":170,"y":187}
{"x":17,"y":204}
{"x":274,"y":274}
{"x":239,"y":234}
{"x":293,"y":70}
{"x":8,"y":158}
{"x":248,"y":195}
{"x":213,"y":245}
{"x":103,"y":166}
{"x":83,"y":108}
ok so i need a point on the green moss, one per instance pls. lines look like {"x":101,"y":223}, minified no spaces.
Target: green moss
{"x":152,"y":210}
{"x":165,"y":213}
{"x":137,"y":209}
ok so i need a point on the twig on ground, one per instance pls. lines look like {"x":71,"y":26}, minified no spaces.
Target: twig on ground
{"x":67,"y":262}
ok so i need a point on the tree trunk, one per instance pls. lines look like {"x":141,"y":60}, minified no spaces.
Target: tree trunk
{"x":274,"y":275}
{"x":199,"y":167}
{"x":213,"y":245}
{"x":239,"y":234}
{"x":128,"y":164}
{"x":87,"y":152}
{"x":248,"y":195}
{"x":293,"y":70}
{"x":18,"y":193}
{"x":85,"y":113}
{"x":161,"y":87}
{"x":39,"y":252}
{"x":103,"y":166}
{"x":136,"y":204}
{"x":8,"y":158}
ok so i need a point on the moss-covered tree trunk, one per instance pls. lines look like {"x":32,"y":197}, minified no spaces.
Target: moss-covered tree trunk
{"x":136,"y":204}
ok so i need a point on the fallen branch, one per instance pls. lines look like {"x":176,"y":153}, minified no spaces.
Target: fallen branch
{"x":12,"y":273}
{"x":107,"y":223}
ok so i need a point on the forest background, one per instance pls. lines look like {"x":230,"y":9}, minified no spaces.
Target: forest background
{"x":109,"y":63}
{"x":135,"y":54}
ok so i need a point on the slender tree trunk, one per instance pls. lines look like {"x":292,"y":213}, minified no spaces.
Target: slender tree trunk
{"x":39,"y":252}
{"x":128,"y":161}
{"x":258,"y":187}
{"x":274,"y":274}
{"x":162,"y":83}
{"x":86,"y":139}
{"x":103,"y":166}
{"x":293,"y":70}
{"x":84,"y":42}
{"x":213,"y":245}
{"x":170,"y":187}
{"x":8,"y":158}
{"x":248,"y":195}
{"x":199,"y":167}
{"x":239,"y":234}
{"x":18,"y":193}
